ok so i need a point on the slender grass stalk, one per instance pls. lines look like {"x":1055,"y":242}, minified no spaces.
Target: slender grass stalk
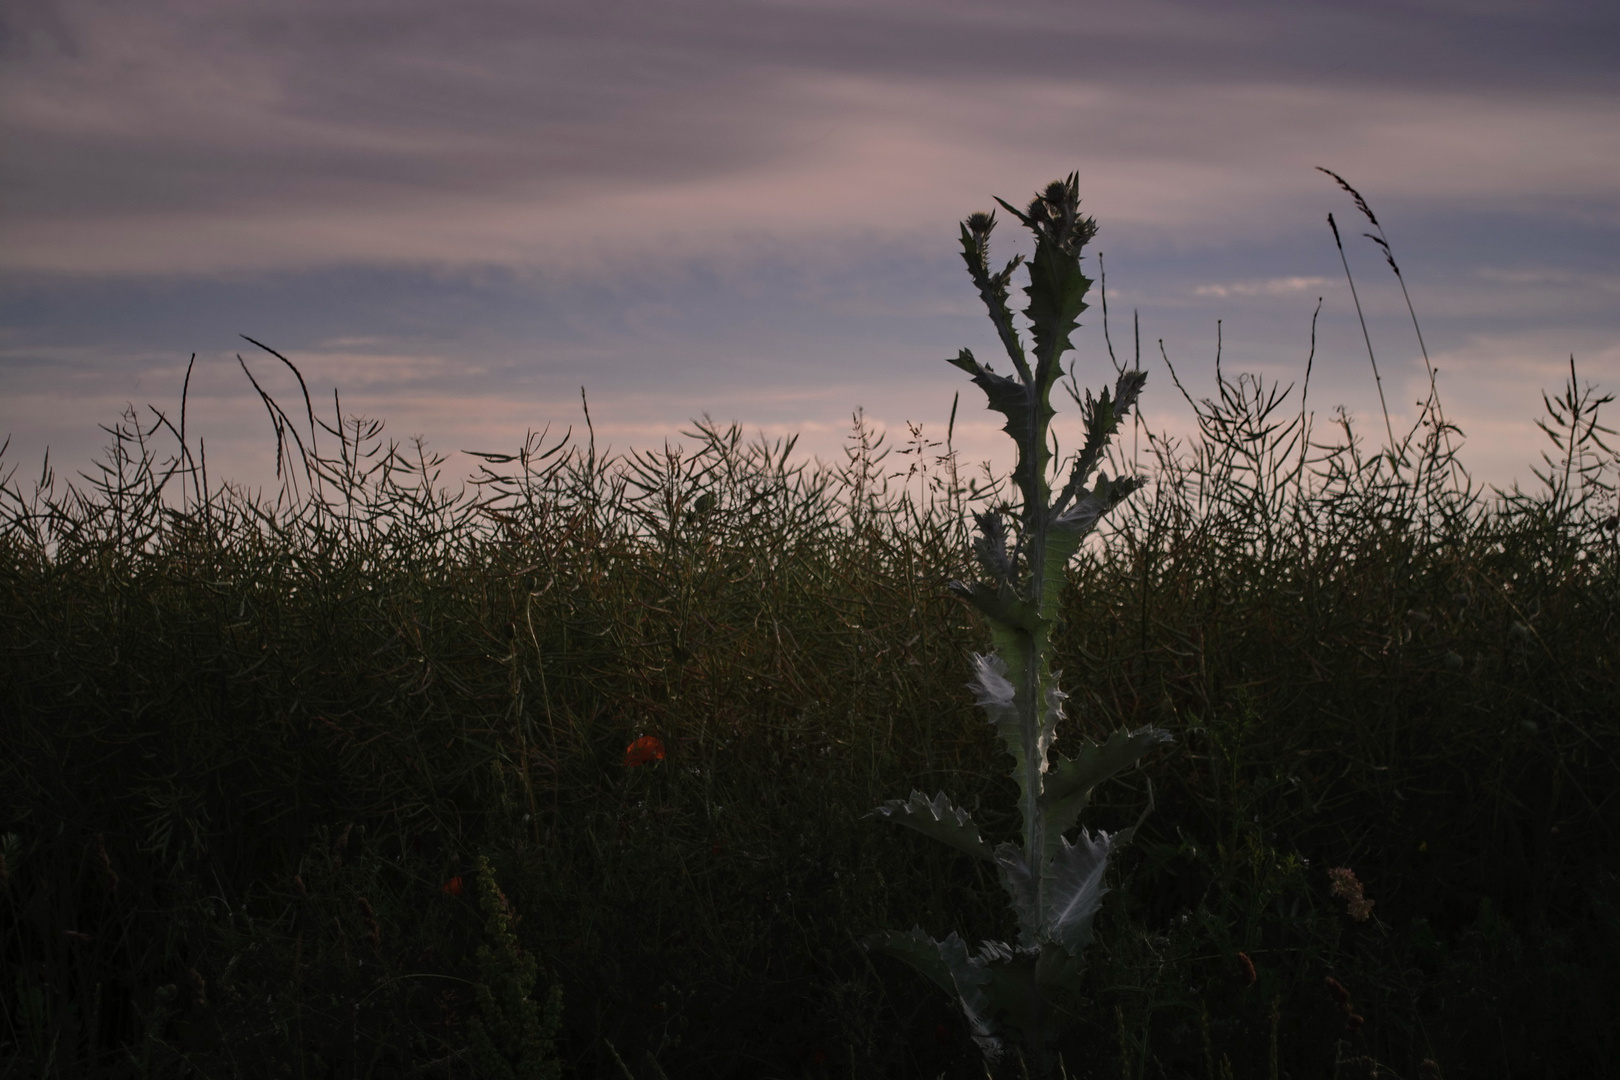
{"x":1382,"y":240}
{"x":1430,"y":412}
{"x":1378,"y":379}
{"x":1055,"y":886}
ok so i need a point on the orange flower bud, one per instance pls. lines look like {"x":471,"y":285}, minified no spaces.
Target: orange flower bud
{"x":1249,"y":976}
{"x":645,"y":749}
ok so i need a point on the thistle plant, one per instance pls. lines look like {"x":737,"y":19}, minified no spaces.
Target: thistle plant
{"x":1055,"y":885}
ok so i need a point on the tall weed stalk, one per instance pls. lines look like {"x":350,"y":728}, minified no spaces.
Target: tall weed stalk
{"x":1055,"y":885}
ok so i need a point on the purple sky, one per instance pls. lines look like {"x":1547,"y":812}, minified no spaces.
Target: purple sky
{"x":458,"y":214}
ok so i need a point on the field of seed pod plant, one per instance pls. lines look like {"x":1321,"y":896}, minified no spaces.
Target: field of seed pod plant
{"x":570,"y":769}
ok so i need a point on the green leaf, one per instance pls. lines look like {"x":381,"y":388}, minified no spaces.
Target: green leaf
{"x":1071,"y":780}
{"x":996,"y":694}
{"x":1062,"y":541}
{"x":993,"y":288}
{"x":939,"y":819}
{"x":1074,"y":888}
{"x":1000,"y":605}
{"x":919,"y":950}
{"x":1069,"y":529}
{"x":1056,"y":292}
{"x":973,"y":977}
{"x":991,"y":548}
{"x":949,"y":966}
{"x":1028,"y":411}
{"x":1019,"y":881}
{"x":1102,"y":416}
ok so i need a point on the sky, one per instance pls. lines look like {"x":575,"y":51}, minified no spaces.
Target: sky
{"x":458,"y":215}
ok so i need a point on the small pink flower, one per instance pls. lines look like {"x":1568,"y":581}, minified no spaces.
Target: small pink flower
{"x":1348,"y":889}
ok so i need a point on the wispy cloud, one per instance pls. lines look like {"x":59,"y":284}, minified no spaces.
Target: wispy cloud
{"x":1280,"y":286}
{"x":1554,"y":277}
{"x":243,"y":136}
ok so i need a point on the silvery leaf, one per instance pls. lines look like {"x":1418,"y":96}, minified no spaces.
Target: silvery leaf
{"x":939,"y":819}
{"x":950,"y":967}
{"x":1075,"y":889}
{"x":1068,"y":786}
{"x":1024,"y":891}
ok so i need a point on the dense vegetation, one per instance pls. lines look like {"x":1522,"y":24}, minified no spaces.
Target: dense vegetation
{"x":333,"y":781}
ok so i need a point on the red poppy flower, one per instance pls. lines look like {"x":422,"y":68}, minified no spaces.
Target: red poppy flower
{"x":645,"y":749}
{"x":453,"y":887}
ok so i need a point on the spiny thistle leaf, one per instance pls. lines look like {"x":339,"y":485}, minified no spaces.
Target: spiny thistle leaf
{"x":993,"y":289}
{"x":1075,"y":889}
{"x":919,"y":950}
{"x":997,"y":696}
{"x":1102,"y":416}
{"x":1014,"y":994}
{"x":974,"y":976}
{"x":1069,"y":530}
{"x":991,"y":546}
{"x":938,"y":818}
{"x":1071,"y":780}
{"x":949,"y":966}
{"x":1001,"y":605}
{"x":1023,"y":889}
{"x":1088,"y":509}
{"x":993,"y":693}
{"x":1056,"y":292}
{"x":1028,"y":413}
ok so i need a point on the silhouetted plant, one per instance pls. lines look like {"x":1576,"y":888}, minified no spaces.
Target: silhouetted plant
{"x":1055,"y":886}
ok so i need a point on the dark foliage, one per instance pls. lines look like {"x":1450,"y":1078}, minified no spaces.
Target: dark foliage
{"x":254,"y":746}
